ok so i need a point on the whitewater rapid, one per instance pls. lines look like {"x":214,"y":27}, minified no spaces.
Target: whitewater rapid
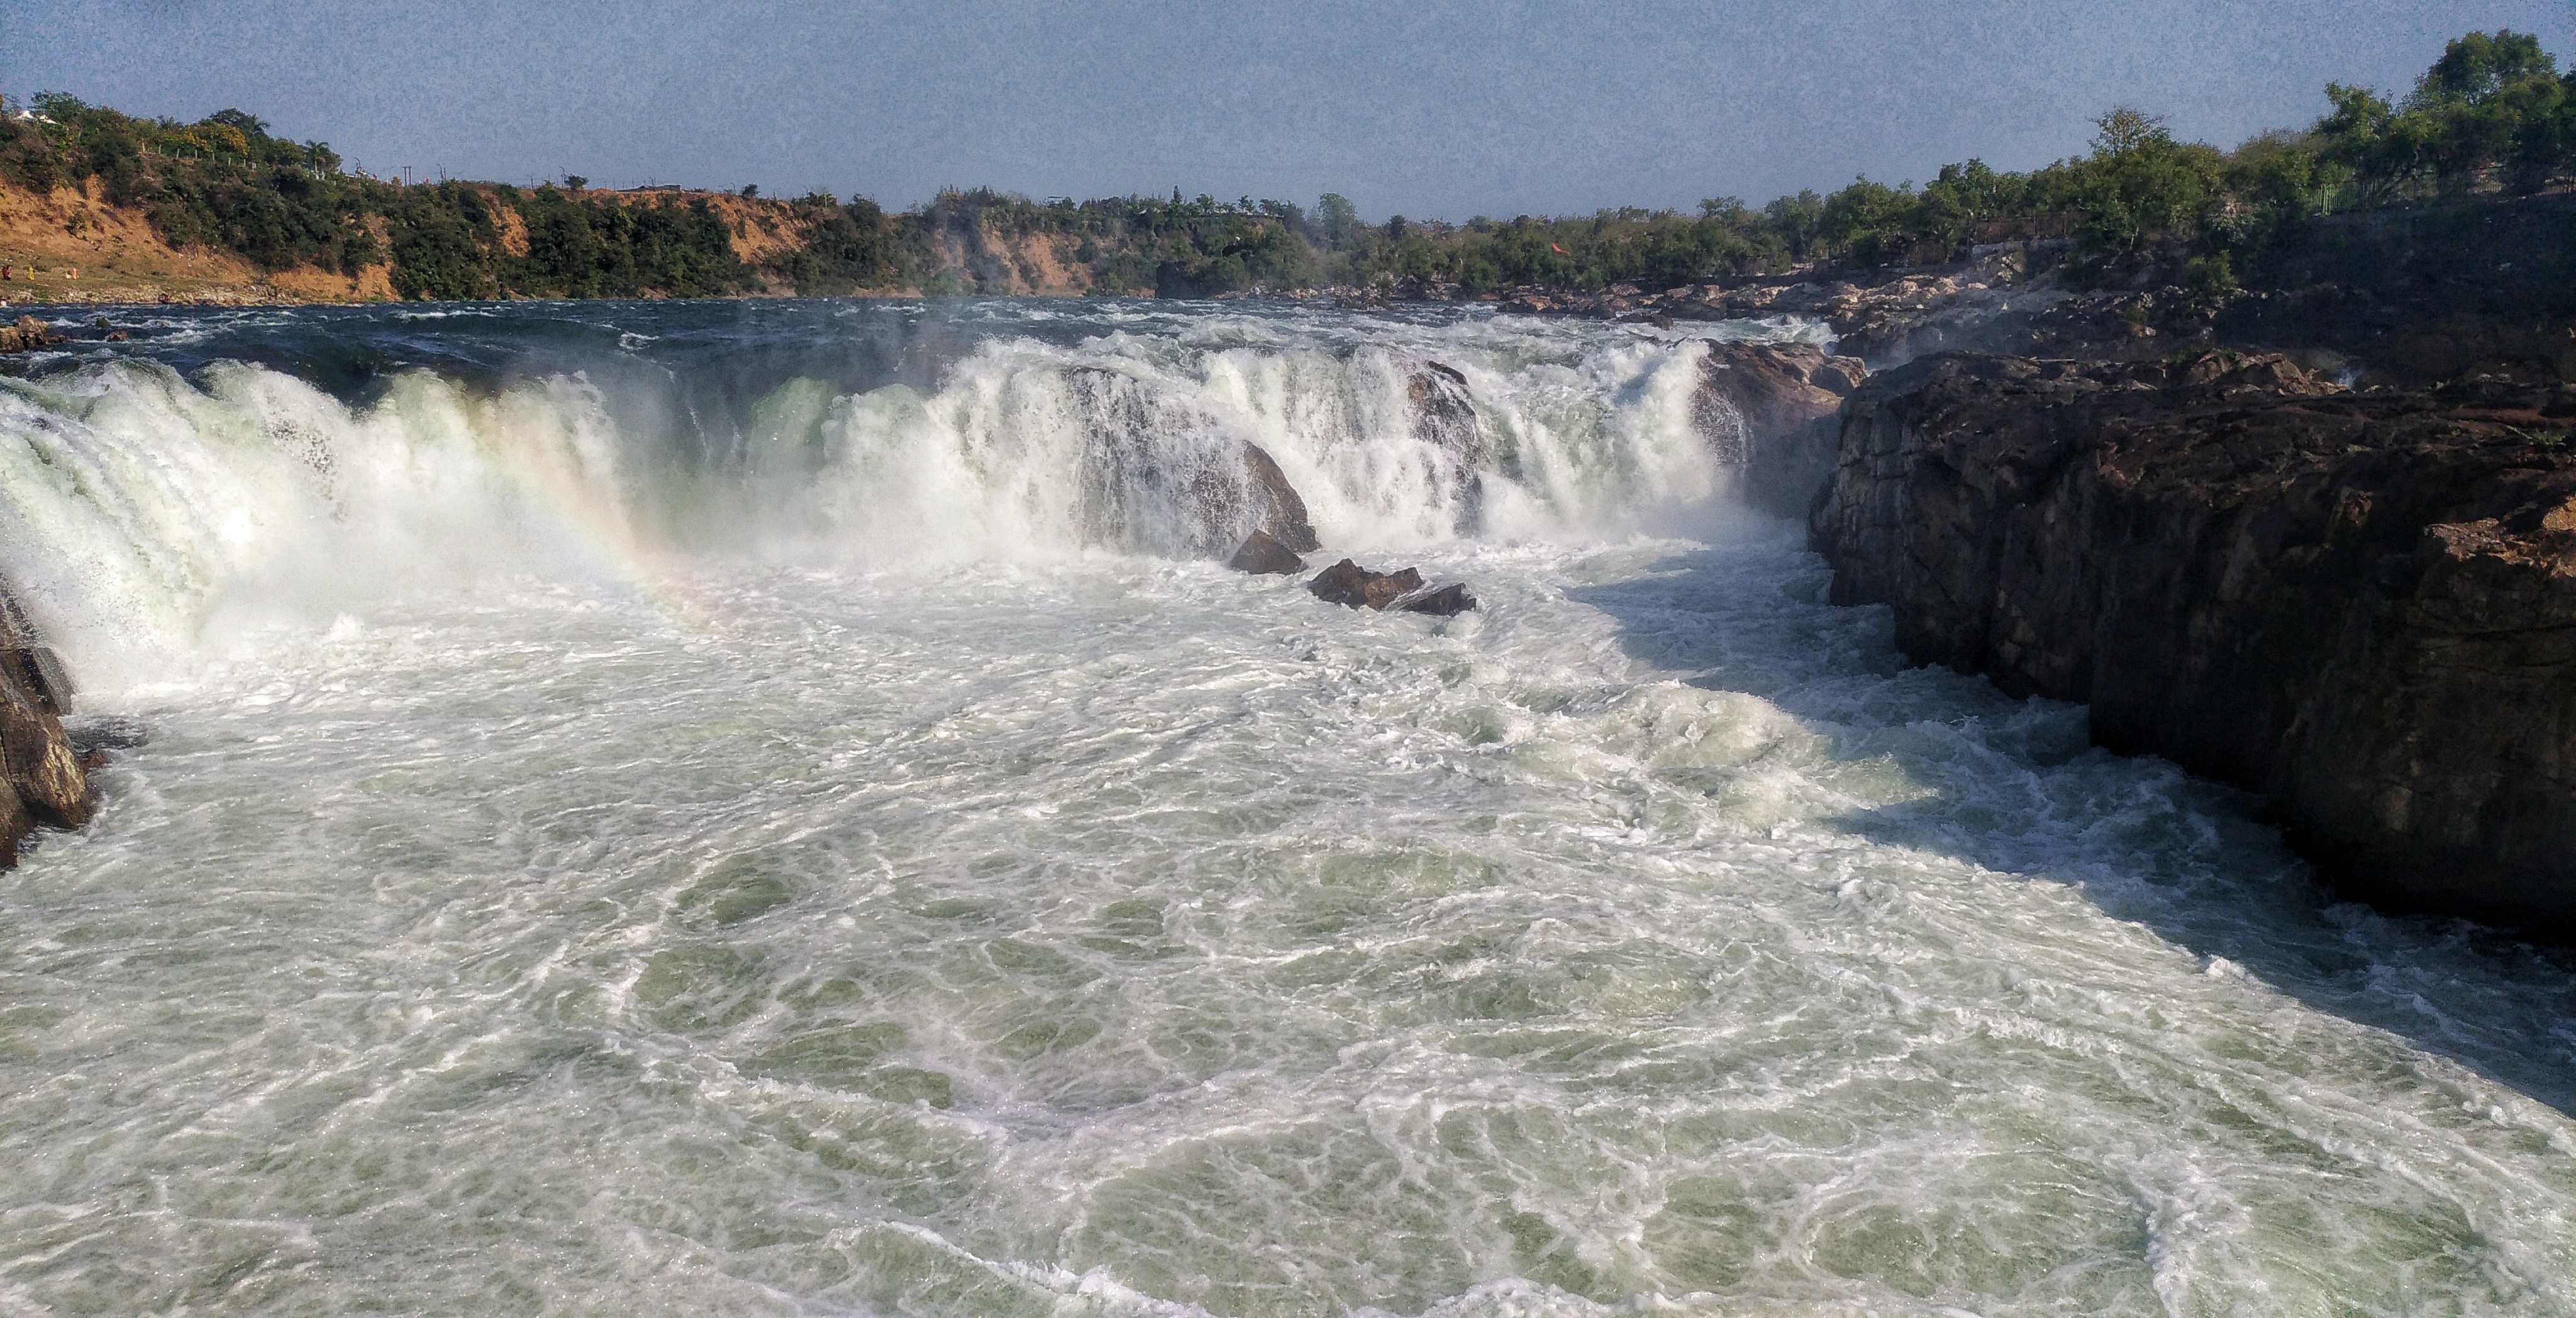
{"x":680,"y":809}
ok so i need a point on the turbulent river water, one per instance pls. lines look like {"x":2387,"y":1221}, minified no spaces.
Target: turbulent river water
{"x":668,"y":808}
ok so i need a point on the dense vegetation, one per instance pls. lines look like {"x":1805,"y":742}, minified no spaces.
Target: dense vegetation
{"x":2492,"y":116}
{"x":224,"y":182}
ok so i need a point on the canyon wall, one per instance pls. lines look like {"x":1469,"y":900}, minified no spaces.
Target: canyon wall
{"x":2360,"y":604}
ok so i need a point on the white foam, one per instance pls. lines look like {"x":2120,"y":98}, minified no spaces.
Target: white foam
{"x":557,"y":878}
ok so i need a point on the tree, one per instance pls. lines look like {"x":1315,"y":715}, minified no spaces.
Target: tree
{"x":1338,"y":218}
{"x":1797,"y":222}
{"x":2124,"y":129}
{"x":2478,"y":68}
{"x":2492,"y":101}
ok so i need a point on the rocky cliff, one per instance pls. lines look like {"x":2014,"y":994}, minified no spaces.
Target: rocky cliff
{"x":2361,"y":604}
{"x":1770,"y":410}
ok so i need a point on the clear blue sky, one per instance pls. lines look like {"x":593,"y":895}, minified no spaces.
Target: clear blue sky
{"x":1420,"y":107}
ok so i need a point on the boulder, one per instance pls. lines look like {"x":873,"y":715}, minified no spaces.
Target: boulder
{"x":2360,"y":604}
{"x":1769,"y":409}
{"x":1262,"y":554}
{"x":26,"y":335}
{"x":1440,"y":602}
{"x":1350,"y":584}
{"x":42,"y":781}
{"x":1276,"y":503}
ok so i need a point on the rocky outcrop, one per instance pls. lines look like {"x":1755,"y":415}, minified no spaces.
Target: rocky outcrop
{"x":1348,"y":583}
{"x":1769,"y":409}
{"x":2362,"y":604}
{"x":1275,"y":505}
{"x":26,"y":335}
{"x":1263,"y":555}
{"x":1985,"y":306}
{"x":42,"y":781}
{"x":1444,"y":419}
{"x":1157,"y":477}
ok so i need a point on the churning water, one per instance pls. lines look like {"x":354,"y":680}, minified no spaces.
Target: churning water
{"x":697,"y":809}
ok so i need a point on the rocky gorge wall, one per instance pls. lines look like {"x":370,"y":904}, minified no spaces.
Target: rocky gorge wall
{"x":2360,"y":604}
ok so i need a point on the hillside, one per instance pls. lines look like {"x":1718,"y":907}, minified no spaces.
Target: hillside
{"x":72,"y":245}
{"x":221,"y":209}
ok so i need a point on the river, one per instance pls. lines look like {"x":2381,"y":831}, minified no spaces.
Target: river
{"x":692,"y":808}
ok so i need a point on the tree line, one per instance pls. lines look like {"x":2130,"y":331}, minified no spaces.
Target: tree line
{"x":2493,"y":116}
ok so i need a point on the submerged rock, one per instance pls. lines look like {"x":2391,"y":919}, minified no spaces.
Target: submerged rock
{"x":1263,"y":555}
{"x":1770,"y":410}
{"x":26,"y":335}
{"x":2363,"y":605}
{"x":1441,"y":602}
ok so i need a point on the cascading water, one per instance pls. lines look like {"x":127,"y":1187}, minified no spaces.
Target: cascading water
{"x":705,"y":808}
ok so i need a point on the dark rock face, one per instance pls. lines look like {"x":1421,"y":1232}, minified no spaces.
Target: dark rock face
{"x":2361,"y":604}
{"x":41,"y":778}
{"x":1263,"y":555}
{"x":1769,"y":409}
{"x":1442,"y":602}
{"x":1444,"y":417}
{"x":1277,"y":505}
{"x":1348,"y":583}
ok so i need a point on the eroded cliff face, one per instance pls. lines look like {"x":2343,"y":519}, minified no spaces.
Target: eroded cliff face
{"x":2363,"y":605}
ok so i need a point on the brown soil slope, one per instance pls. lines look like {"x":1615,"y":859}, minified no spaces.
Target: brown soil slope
{"x":72,"y":246}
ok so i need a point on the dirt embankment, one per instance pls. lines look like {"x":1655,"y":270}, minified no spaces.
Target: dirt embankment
{"x":993,"y":263}
{"x":763,"y":230}
{"x":72,"y":246}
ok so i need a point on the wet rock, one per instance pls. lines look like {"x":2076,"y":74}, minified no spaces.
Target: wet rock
{"x":1157,"y":475}
{"x":1262,"y":555}
{"x":2361,"y":604}
{"x":26,"y":335}
{"x":42,"y":778}
{"x":39,"y":672}
{"x":1440,"y":602}
{"x":1276,"y":503}
{"x":1444,"y":418}
{"x":1350,"y":584}
{"x":1769,"y":409}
